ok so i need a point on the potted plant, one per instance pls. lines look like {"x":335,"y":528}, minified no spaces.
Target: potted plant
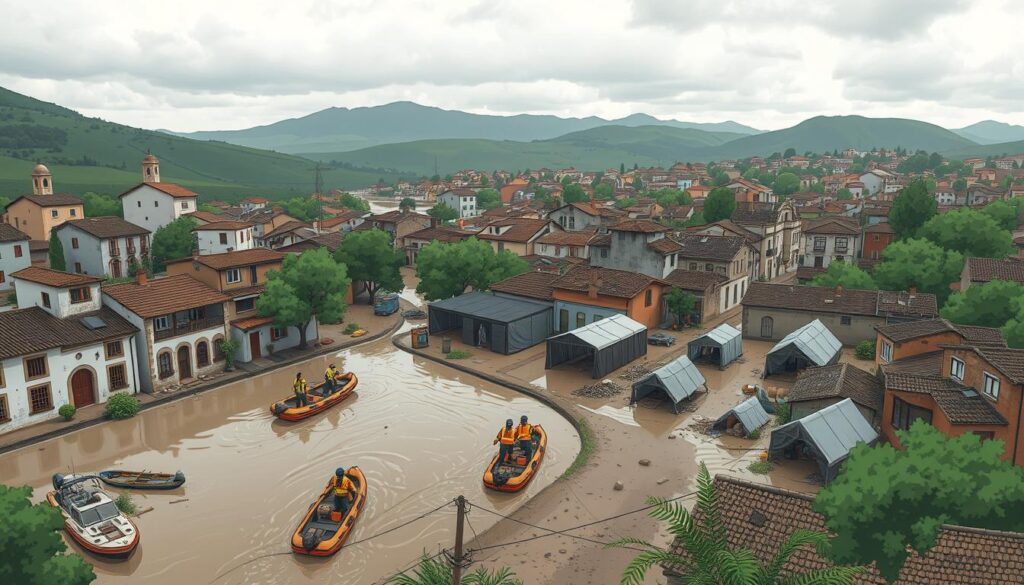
{"x":228,"y":346}
{"x":67,"y":411}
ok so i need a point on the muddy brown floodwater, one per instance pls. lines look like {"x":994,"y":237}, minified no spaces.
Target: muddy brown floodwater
{"x":420,"y":432}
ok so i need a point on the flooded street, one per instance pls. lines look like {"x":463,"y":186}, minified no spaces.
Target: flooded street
{"x":420,"y":432}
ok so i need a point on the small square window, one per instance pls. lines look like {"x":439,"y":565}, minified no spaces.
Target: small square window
{"x":73,"y":212}
{"x":54,"y":213}
{"x":223,"y":238}
{"x":40,"y":399}
{"x":277,"y":333}
{"x":17,"y":251}
{"x":35,"y":367}
{"x":234,"y":275}
{"x":844,"y":320}
{"x":114,"y":349}
{"x":956,"y":369}
{"x":46,"y":299}
{"x":74,"y":243}
{"x":118,"y":376}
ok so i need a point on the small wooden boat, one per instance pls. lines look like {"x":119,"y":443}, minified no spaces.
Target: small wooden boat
{"x":513,"y":476}
{"x":91,"y":518}
{"x":289,"y":409}
{"x":141,"y":480}
{"x":322,"y":531}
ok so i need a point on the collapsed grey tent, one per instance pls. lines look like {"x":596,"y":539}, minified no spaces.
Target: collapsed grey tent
{"x":678,"y":379}
{"x":811,"y":345}
{"x":611,"y":343}
{"x":720,"y":346}
{"x":501,"y":324}
{"x":749,"y":413}
{"x":827,"y":435}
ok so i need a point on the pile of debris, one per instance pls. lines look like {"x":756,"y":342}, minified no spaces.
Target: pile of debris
{"x":604,"y":389}
{"x":634,"y":373}
{"x":737,"y":430}
{"x":701,"y":424}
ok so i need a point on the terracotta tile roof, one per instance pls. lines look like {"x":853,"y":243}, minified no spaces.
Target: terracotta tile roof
{"x":223,"y":225}
{"x":394,"y":216}
{"x":850,"y":302}
{"x":665,"y":246}
{"x":1009,"y":361}
{"x":54,"y":200}
{"x":809,"y":272}
{"x":643,"y":226}
{"x":601,"y":240}
{"x":839,"y":381}
{"x":760,"y":518}
{"x":251,"y":322}
{"x":567,"y":238}
{"x":706,"y":247}
{"x":553,"y":265}
{"x":163,"y":295}
{"x":54,"y":277}
{"x":331,"y":241}
{"x":913,"y":329}
{"x":226,"y":260}
{"x":26,"y":331}
{"x":883,"y":227}
{"x":925,"y":364}
{"x":520,"y":229}
{"x":172,"y":189}
{"x":206,"y":216}
{"x":961,"y":404}
{"x":248,"y":291}
{"x":39,"y":245}
{"x":728,"y":225}
{"x":106,"y":227}
{"x":755,"y":213}
{"x":255,"y":200}
{"x":534,"y":285}
{"x":694,"y":280}
{"x":287,"y":227}
{"x":831,"y":225}
{"x":609,"y":282}
{"x":987,"y":269}
{"x":9,"y":233}
{"x":439,"y":233}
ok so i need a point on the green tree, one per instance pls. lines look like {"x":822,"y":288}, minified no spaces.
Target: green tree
{"x":309,"y":285}
{"x":173,"y":241}
{"x":574,"y":193}
{"x":786,"y":184}
{"x":4,"y":202}
{"x":844,"y":194}
{"x":1005,"y":213}
{"x":604,"y":192}
{"x":350,"y":201}
{"x":960,"y":184}
{"x":96,"y":205}
{"x":887,"y":499}
{"x":1013,"y":330}
{"x":624,"y":202}
{"x":680,"y":303}
{"x":205,"y":207}
{"x":371,"y":258}
{"x":721,"y":203}
{"x":432,"y":571}
{"x":407,"y":203}
{"x":970,"y":232}
{"x":845,"y":275}
{"x":991,"y":304}
{"x":488,"y":199}
{"x":669,"y":196}
{"x":447,"y":269}
{"x":301,"y":208}
{"x":912,"y":208}
{"x":789,"y":152}
{"x":918,"y":263}
{"x":32,"y":551}
{"x":443,"y":213}
{"x":57,"y":258}
{"x":484,"y":181}
{"x":709,"y":560}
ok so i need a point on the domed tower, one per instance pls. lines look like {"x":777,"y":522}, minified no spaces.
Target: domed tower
{"x":42,"y":180}
{"x":150,"y":169}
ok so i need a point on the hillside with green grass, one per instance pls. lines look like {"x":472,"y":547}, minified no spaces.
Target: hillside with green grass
{"x":89,"y":154}
{"x":986,"y":150}
{"x":992,"y":132}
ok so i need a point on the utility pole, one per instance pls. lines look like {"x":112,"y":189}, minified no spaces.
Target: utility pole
{"x":319,"y":185}
{"x":460,"y":503}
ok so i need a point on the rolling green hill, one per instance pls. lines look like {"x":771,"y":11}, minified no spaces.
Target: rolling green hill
{"x":89,"y":154}
{"x":986,"y":150}
{"x":344,"y":129}
{"x":991,"y":132}
{"x":596,"y":148}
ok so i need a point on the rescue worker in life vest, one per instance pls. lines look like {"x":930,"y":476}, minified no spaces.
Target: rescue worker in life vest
{"x":344,"y":492}
{"x":524,"y":435}
{"x":299,"y":386}
{"x":507,"y":438}
{"x":329,"y":383}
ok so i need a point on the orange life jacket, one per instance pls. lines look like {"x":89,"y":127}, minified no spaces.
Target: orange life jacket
{"x":344,"y":487}
{"x":524,"y":432}
{"x":507,"y":436}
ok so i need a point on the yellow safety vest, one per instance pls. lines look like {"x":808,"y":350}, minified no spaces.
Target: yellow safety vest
{"x":343,"y":487}
{"x":330,"y":374}
{"x":299,"y":386}
{"x":524,"y":432}
{"x":507,"y":436}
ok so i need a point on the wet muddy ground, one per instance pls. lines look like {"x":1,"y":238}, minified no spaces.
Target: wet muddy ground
{"x":420,"y":432}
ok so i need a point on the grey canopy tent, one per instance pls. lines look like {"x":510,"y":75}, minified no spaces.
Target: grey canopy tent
{"x":720,"y":346}
{"x":827,"y":435}
{"x":811,"y":345}
{"x":749,"y":413}
{"x":611,"y":343}
{"x":678,"y":379}
{"x":501,"y":324}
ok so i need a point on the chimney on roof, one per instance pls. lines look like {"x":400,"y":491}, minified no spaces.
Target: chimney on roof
{"x":839,"y":290}
{"x":140,"y":277}
{"x":595,"y":287}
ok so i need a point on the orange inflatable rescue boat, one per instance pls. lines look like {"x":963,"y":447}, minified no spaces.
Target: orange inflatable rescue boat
{"x":512,"y":476}
{"x":288,"y":408}
{"x":322,"y":531}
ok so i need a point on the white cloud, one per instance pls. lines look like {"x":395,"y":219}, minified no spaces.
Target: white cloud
{"x":196,"y":64}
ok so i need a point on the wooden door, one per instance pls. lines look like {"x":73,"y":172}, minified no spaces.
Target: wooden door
{"x":254,"y":344}
{"x":184,"y":363}
{"x":82,"y":391}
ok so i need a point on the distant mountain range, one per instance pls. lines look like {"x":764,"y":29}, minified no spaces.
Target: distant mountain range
{"x":991,"y":132}
{"x":344,"y":129}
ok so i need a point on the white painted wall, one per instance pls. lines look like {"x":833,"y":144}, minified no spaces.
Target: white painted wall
{"x":94,"y":253}
{"x":244,"y":353}
{"x":9,"y":263}
{"x":30,"y":295}
{"x":464,"y":204}
{"x":153,"y":209}
{"x":209,"y":241}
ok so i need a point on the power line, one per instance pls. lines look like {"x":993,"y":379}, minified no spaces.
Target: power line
{"x":407,"y":568}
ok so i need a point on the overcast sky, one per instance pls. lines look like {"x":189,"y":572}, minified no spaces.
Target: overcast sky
{"x":220,"y":64}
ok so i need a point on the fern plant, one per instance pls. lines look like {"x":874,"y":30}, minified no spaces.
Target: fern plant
{"x":708,"y":558}
{"x":432,"y":571}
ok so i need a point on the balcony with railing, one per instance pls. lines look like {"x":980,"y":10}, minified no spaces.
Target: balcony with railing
{"x":185,"y":322}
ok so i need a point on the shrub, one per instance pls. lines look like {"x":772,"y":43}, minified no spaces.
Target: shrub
{"x":67,"y":411}
{"x":865,"y":350}
{"x":754,"y":434}
{"x":761,"y":467}
{"x":125,"y":503}
{"x":351,"y":328}
{"x":228,"y":346}
{"x":458,"y":354}
{"x":122,"y":406}
{"x":783,"y":414}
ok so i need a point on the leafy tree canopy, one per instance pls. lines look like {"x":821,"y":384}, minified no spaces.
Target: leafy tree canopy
{"x":443,"y":212}
{"x":604,"y":192}
{"x":370,"y":257}
{"x":918,"y":263}
{"x":970,"y":232}
{"x":574,"y":193}
{"x":1005,"y":213}
{"x":173,"y":241}
{"x":845,"y":275}
{"x":991,"y":304}
{"x":625,"y":202}
{"x":407,"y":203}
{"x":448,"y":269}
{"x":912,"y":208}
{"x":721,"y":203}
{"x":488,"y":199}
{"x":844,"y":194}
{"x":786,"y":184}
{"x":680,"y":303}
{"x":57,"y":258}
{"x":350,"y":201}
{"x":310,"y":284}
{"x":669,"y":196}
{"x":96,"y":205}
{"x":886,"y":499}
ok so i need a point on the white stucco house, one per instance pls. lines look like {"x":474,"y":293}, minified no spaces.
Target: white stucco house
{"x":220,"y":237}
{"x":60,"y":346}
{"x":14,"y":254}
{"x":102,"y":245}
{"x":461,"y":200}
{"x":153,"y":204}
{"x":179,"y":322}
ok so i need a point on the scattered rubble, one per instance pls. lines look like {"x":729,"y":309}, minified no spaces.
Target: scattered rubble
{"x":604,"y":389}
{"x":701,"y":424}
{"x":618,"y":486}
{"x":645,"y":462}
{"x":662,"y":480}
{"x":635,"y":372}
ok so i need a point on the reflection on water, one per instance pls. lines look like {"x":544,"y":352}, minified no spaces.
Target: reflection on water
{"x":421,"y":436}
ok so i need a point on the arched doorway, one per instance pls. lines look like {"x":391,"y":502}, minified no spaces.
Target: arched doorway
{"x":184,"y":363}
{"x":83,"y":388}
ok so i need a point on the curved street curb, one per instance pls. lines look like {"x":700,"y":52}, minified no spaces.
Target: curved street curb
{"x":323,"y":350}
